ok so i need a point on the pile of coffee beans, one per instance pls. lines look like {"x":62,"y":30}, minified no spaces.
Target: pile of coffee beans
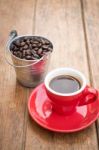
{"x":31,"y":48}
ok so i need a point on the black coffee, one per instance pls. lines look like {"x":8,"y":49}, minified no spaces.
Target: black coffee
{"x":65,"y":84}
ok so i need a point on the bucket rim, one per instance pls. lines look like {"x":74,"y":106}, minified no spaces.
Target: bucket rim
{"x":20,"y":36}
{"x":33,"y":62}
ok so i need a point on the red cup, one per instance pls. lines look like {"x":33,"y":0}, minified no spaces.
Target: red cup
{"x":66,"y":103}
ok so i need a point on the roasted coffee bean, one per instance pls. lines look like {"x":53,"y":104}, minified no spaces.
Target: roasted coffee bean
{"x":31,"y":41}
{"x":24,"y":51}
{"x":28,"y":57}
{"x":49,"y":49}
{"x":25,"y":47}
{"x":19,"y":54}
{"x":44,"y":46}
{"x":21,"y":49}
{"x":39,"y":51}
{"x":16,"y":49}
{"x":22,"y":43}
{"x":47,"y":42}
{"x":15,"y":53}
{"x":30,"y":46}
{"x":39,"y":44}
{"x":34,"y":45}
{"x":45,"y":53}
{"x":45,"y":50}
{"x":28,"y":41}
{"x":35,"y":42}
{"x":28,"y":52}
{"x":36,"y":48}
{"x":17,"y":43}
{"x":42,"y":41}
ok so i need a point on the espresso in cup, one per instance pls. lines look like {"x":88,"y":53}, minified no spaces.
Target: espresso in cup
{"x":65,"y":84}
{"x":67,"y":89}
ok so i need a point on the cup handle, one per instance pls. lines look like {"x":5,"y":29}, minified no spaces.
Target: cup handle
{"x":90,"y":95}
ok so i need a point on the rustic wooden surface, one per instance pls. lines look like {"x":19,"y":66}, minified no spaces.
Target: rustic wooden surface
{"x":73,"y":27}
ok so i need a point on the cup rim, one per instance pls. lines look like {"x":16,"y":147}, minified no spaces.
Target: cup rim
{"x":65,"y":69}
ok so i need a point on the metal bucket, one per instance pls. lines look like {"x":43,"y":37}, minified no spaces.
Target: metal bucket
{"x":28,"y":72}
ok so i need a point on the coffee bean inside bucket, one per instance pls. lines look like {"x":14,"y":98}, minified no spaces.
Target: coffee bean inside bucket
{"x":31,"y":48}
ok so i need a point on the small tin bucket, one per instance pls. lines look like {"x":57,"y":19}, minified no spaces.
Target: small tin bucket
{"x":28,"y":72}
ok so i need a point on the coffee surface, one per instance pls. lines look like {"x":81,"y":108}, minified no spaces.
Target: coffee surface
{"x":65,"y":84}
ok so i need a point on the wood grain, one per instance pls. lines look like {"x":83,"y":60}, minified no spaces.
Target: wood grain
{"x":13,"y":97}
{"x":73,"y":29}
{"x":91,"y":21}
{"x":61,"y":22}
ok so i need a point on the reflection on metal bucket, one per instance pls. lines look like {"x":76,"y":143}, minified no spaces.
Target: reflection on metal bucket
{"x":28,"y":72}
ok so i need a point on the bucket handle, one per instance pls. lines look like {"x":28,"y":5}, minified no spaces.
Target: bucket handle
{"x":12,"y":35}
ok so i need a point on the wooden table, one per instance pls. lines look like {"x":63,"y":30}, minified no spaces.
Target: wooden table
{"x":73,"y":27}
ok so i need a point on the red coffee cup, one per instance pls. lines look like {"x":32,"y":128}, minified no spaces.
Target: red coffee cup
{"x":66,"y":103}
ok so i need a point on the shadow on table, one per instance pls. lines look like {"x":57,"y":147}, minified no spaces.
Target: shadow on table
{"x":46,"y":135}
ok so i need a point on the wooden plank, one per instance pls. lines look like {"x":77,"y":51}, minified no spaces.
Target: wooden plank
{"x":91,"y":21}
{"x":61,"y":22}
{"x":13,"y":97}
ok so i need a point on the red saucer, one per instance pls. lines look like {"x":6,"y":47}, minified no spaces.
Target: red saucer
{"x":41,"y":111}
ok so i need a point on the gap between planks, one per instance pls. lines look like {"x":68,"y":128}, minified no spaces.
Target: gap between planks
{"x":88,"y":61}
{"x":29,"y":89}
